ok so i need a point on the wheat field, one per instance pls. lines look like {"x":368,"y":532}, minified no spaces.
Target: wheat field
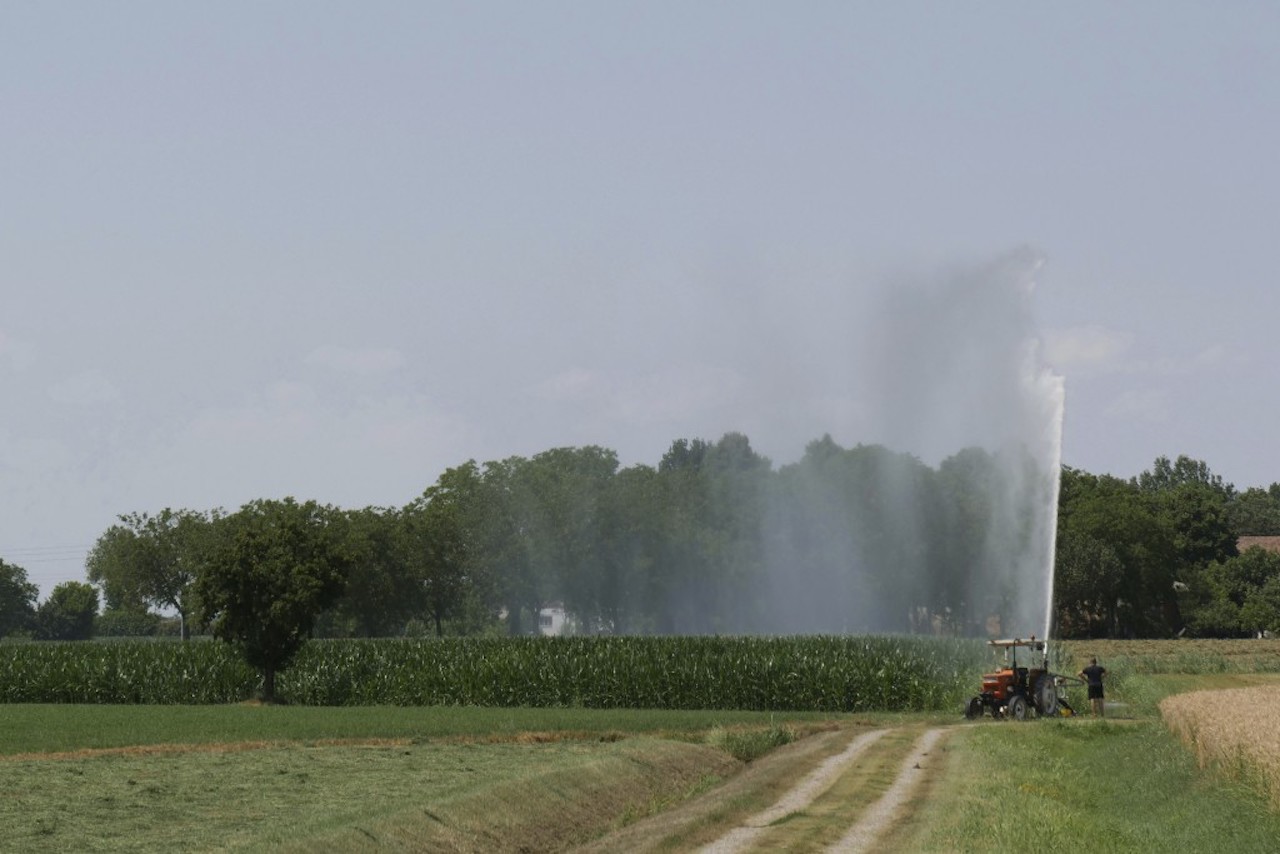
{"x":1235,"y":730}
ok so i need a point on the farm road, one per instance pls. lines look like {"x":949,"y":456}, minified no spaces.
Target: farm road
{"x":868,"y":826}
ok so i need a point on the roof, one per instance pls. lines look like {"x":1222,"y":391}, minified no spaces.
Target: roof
{"x":1271,"y":544}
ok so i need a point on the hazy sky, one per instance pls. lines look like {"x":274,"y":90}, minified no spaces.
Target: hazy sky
{"x":250,"y":250}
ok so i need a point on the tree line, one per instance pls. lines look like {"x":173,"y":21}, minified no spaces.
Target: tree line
{"x":713,"y":539}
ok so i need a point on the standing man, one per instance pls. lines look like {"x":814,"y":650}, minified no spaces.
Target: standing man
{"x":1092,"y":675}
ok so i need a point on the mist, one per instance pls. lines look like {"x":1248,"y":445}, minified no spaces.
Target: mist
{"x":944,"y":520}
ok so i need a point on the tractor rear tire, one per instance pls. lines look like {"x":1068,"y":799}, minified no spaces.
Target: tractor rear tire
{"x":1046,"y":697}
{"x":1017,"y":708}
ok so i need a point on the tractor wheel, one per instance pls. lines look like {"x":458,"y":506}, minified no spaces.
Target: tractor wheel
{"x":973,"y":710}
{"x":1046,"y":696}
{"x":1017,"y":709}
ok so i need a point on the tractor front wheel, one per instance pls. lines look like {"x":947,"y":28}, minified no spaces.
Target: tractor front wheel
{"x":1017,"y":709}
{"x":973,"y":710}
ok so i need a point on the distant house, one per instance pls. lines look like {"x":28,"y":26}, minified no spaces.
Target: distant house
{"x":1271,"y":544}
{"x":551,"y":620}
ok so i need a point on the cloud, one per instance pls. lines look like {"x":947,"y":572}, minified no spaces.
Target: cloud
{"x":356,"y":360}
{"x":89,"y":388}
{"x":1091,"y":348}
{"x":1145,"y":405}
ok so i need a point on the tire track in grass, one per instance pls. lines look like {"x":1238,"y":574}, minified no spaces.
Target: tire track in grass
{"x":877,"y":819}
{"x":809,"y":789}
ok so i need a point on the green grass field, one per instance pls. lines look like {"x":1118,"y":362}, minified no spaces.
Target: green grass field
{"x":51,"y":728}
{"x":1123,"y":785}
{"x":252,"y":777}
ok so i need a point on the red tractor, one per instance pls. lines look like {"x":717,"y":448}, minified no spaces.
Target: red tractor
{"x":1014,"y":691}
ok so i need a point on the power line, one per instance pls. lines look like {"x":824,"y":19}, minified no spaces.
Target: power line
{"x":45,"y":554}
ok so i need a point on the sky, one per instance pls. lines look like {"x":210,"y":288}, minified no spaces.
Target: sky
{"x":328,"y":250}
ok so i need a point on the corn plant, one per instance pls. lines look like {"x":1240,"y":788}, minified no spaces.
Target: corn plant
{"x":820,"y":673}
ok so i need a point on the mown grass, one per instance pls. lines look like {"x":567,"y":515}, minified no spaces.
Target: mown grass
{"x":422,"y":797}
{"x":35,"y":728}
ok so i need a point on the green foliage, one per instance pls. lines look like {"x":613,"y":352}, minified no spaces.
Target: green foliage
{"x":444,"y":548}
{"x":1105,"y":516}
{"x":829,"y":674}
{"x":152,"y":561}
{"x":123,"y":623}
{"x":1256,"y":512}
{"x":1239,"y":596}
{"x":17,"y":600}
{"x":275,"y":567}
{"x":383,"y":590}
{"x":68,"y":613}
{"x":715,"y":541}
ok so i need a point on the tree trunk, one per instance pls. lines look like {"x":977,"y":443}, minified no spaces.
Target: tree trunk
{"x":269,"y":685}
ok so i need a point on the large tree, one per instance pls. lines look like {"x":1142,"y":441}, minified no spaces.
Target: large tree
{"x":68,"y":613}
{"x":1238,"y":596}
{"x":567,"y":488}
{"x":382,"y":592}
{"x":1108,"y":516}
{"x":275,"y":566}
{"x":439,"y":545}
{"x":152,"y":561}
{"x":1256,"y":512}
{"x":17,"y":599}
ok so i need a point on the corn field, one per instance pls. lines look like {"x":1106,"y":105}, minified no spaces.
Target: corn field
{"x":1235,"y":730}
{"x":820,"y":673}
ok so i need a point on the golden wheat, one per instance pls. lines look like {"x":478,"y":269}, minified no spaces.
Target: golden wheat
{"x":1235,"y":730}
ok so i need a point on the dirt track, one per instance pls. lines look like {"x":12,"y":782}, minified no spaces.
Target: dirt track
{"x":822,"y":778}
{"x":866,"y":828}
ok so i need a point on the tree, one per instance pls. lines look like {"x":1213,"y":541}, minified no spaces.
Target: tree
{"x":567,"y":489}
{"x":1088,"y":575}
{"x":630,"y":595}
{"x":68,"y":612}
{"x":275,"y":566}
{"x":503,"y":539}
{"x":1256,"y":512}
{"x":153,"y":561}
{"x":1165,"y":475}
{"x":382,"y":592}
{"x":1238,"y":595}
{"x":1111,"y":512}
{"x":441,"y":535}
{"x":1261,"y":610}
{"x":17,"y":599}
